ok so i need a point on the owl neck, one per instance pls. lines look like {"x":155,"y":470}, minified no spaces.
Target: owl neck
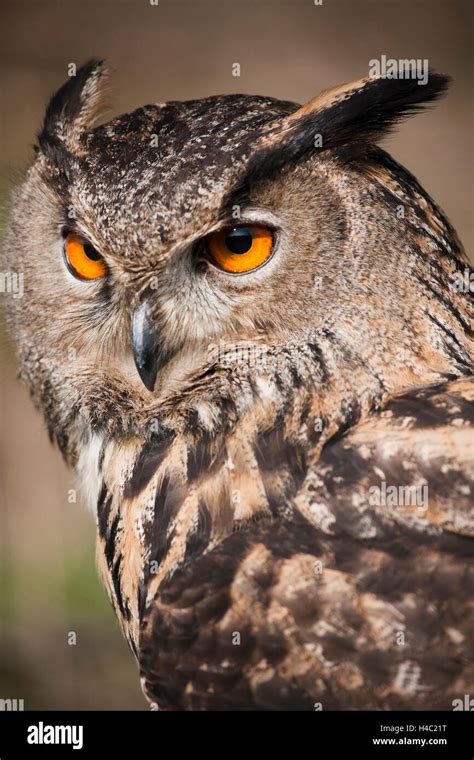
{"x":235,"y":447}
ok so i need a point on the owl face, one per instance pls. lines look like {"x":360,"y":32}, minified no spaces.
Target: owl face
{"x":182,"y":264}
{"x":153,"y":243}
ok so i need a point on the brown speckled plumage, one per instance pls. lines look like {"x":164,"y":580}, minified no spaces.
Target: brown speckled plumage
{"x":237,"y":537}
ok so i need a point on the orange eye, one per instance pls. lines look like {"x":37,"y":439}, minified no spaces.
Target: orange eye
{"x":82,"y":259}
{"x":240,"y":249}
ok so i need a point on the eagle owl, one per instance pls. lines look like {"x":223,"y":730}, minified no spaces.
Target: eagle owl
{"x":245,"y":326}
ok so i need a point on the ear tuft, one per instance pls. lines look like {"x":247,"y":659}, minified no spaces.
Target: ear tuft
{"x":73,"y":110}
{"x":364,"y":110}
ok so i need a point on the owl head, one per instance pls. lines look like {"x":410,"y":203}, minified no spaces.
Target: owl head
{"x":156,"y":246}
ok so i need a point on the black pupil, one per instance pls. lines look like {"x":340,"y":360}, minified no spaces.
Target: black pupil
{"x":239,"y":240}
{"x":90,"y":252}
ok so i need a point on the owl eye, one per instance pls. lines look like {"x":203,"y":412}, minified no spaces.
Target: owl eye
{"x":240,"y":249}
{"x":81,"y":258}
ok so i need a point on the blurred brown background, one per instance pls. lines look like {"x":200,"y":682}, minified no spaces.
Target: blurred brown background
{"x":175,"y":50}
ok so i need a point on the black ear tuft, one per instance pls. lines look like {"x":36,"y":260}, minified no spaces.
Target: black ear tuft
{"x":73,"y":110}
{"x":363,"y":110}
{"x":371,"y":110}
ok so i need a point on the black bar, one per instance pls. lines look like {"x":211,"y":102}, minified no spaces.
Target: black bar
{"x":365,"y":734}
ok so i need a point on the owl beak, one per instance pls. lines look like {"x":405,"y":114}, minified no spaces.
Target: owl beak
{"x":144,"y":345}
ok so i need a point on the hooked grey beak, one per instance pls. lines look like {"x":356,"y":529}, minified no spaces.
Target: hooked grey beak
{"x":145,"y":345}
